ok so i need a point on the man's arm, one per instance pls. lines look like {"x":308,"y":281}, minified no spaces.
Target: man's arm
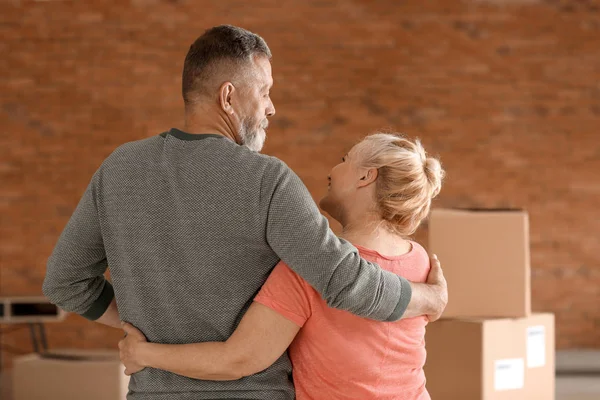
{"x":301,"y":237}
{"x":75,"y":271}
{"x":429,"y":298}
{"x":260,"y":339}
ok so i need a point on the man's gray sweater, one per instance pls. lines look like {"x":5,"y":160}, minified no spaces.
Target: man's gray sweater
{"x":190,"y":227}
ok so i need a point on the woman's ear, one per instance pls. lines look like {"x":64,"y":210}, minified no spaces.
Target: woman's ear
{"x":368,"y":176}
{"x":225,"y":93}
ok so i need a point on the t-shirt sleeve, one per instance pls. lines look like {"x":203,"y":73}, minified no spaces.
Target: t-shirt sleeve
{"x":288,"y":294}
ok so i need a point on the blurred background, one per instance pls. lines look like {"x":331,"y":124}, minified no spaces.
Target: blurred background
{"x":506,"y":92}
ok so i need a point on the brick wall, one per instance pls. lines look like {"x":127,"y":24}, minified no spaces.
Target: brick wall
{"x":506,"y":92}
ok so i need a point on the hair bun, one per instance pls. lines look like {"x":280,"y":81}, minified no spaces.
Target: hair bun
{"x":435,"y":174}
{"x":407,"y":179}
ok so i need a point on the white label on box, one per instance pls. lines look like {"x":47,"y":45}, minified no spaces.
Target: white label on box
{"x":536,"y":346}
{"x":509,"y":374}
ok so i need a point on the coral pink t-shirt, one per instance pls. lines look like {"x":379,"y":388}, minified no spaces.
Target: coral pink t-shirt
{"x":337,"y":355}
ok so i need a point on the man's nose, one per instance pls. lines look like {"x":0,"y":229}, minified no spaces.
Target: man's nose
{"x":270,"y":109}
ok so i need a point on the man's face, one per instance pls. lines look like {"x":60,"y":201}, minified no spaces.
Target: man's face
{"x":257,"y":105}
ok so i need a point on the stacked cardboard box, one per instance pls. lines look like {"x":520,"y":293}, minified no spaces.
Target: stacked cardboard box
{"x":488,"y":346}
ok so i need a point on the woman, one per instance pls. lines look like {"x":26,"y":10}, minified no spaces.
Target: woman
{"x":380,"y":193}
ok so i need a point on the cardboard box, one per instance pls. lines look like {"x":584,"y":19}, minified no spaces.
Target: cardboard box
{"x":70,"y":374}
{"x":485,"y":258}
{"x":491,"y":359}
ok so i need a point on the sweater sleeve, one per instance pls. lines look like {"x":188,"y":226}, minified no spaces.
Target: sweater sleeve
{"x":75,"y":271}
{"x":301,"y":237}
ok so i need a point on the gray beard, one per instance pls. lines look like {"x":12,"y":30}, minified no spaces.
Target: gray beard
{"x":249,"y":137}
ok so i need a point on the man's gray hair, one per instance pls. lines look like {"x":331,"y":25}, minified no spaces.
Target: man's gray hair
{"x":221,"y":43}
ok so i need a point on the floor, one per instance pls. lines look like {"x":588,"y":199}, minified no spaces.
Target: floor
{"x":578,"y":387}
{"x":578,"y":377}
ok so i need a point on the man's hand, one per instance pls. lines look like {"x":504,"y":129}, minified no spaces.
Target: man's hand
{"x":129,"y":348}
{"x":440,"y":287}
{"x":429,"y":298}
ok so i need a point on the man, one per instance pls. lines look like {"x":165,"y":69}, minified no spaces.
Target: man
{"x":192,"y":222}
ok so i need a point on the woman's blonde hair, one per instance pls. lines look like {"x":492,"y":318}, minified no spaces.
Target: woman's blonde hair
{"x":407,"y":179}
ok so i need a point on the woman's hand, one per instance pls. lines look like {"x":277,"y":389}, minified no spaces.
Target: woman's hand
{"x":129,"y":348}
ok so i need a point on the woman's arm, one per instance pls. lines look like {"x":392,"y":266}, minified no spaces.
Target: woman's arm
{"x":111,"y":315}
{"x":259,"y":340}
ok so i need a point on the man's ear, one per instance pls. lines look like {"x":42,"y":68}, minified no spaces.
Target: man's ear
{"x":225,"y":93}
{"x":368,"y":176}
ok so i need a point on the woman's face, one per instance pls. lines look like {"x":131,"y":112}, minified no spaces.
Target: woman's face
{"x":343,"y":185}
